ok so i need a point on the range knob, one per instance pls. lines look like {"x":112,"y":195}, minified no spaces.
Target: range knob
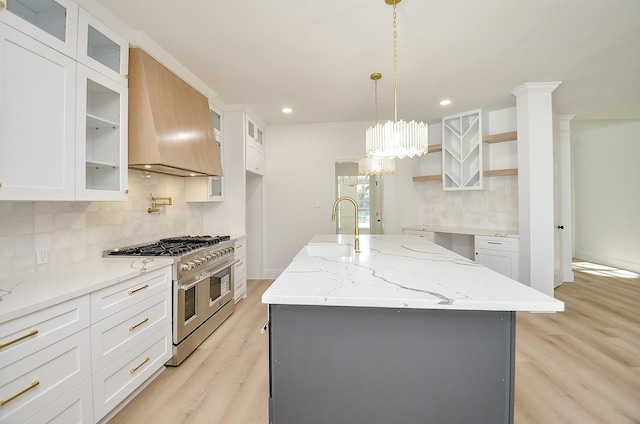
{"x":190,"y":265}
{"x":184,"y":267}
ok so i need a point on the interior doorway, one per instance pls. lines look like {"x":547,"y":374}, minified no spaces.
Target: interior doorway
{"x":366,"y":191}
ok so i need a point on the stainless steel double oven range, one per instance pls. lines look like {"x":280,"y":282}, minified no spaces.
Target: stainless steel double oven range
{"x":202,"y":275}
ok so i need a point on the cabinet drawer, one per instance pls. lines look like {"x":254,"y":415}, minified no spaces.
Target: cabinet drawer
{"x":114,"y":336}
{"x":240,"y":284}
{"x":39,"y":379}
{"x":121,"y":296}
{"x":74,"y":407}
{"x":240,"y":248}
{"x":240,"y":269}
{"x":22,"y":336}
{"x":429,"y":235}
{"x":509,"y":244}
{"x":116,"y":381}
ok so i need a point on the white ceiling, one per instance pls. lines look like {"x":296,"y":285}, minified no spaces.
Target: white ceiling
{"x":317,"y":56}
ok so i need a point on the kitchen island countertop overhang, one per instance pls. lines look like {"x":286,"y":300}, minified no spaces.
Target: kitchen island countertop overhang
{"x":399,"y":271}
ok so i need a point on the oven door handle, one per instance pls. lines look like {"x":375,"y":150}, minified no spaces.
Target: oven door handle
{"x":195,"y":283}
{"x":209,"y":274}
{"x":229,"y":265}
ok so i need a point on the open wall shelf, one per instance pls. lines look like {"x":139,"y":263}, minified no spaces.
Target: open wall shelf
{"x":493,"y":138}
{"x":500,"y":138}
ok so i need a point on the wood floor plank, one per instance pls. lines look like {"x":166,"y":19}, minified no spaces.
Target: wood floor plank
{"x":580,"y":366}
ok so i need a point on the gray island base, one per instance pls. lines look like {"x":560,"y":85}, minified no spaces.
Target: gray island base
{"x":404,"y":332}
{"x":384,"y":365}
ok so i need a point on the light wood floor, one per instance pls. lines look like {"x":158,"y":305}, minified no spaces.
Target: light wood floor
{"x":580,"y":366}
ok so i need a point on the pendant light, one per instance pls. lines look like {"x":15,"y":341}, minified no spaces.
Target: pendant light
{"x":397,"y":138}
{"x":376,"y":165}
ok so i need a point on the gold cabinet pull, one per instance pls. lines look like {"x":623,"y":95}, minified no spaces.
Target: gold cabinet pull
{"x":239,"y":246}
{"x":2,"y":5}
{"x":29,"y":334}
{"x":134,"y":291}
{"x":239,"y":264}
{"x":133,"y":327}
{"x":4,"y":402}
{"x":133,"y":370}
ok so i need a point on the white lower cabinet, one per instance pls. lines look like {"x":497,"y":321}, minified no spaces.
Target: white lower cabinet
{"x":113,"y":383}
{"x":130,"y":336}
{"x":240,"y":270}
{"x":499,"y":254}
{"x":429,"y":235}
{"x":75,"y":406}
{"x":78,"y":360}
{"x":44,"y":355}
{"x":37,"y":380}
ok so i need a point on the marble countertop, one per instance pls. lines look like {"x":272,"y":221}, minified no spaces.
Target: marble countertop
{"x":463,"y":230}
{"x":400,"y":271}
{"x":22,"y":295}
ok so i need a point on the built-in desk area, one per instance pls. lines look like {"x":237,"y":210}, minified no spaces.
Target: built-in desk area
{"x":495,"y":249}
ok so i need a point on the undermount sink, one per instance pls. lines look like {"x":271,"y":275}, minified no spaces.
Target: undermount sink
{"x":328,"y":249}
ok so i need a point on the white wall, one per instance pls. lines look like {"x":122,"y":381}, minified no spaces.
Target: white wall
{"x":300,"y":174}
{"x":299,"y":186}
{"x":607,"y":192}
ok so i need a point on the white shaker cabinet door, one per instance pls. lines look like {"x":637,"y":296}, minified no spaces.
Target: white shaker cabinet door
{"x":37,"y":119}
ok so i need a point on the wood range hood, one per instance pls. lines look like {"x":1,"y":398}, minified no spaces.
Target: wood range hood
{"x":170,"y":127}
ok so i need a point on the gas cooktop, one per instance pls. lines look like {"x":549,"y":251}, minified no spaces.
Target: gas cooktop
{"x":174,"y":246}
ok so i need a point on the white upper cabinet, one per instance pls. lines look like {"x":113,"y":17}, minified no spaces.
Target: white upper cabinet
{"x":101,"y":138}
{"x":209,"y":189}
{"x":218,"y":122}
{"x":53,"y":22}
{"x":37,"y":119}
{"x":102,"y":49}
{"x":63,"y":104}
{"x":462,"y":151}
{"x":254,"y":147}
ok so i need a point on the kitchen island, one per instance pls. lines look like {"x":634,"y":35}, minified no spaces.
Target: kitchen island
{"x":404,"y":331}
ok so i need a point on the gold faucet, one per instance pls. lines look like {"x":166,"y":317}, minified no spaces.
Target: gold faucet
{"x":357,"y":230}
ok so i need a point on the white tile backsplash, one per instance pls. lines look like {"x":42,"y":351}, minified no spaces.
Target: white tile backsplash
{"x":76,"y":231}
{"x":495,"y":207}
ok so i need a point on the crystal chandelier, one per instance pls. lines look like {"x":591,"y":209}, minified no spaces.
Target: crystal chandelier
{"x":398,"y":138}
{"x":376,"y":165}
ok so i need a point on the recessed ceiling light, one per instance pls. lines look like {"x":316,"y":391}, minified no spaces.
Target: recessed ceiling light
{"x":287,"y":110}
{"x":445,"y":102}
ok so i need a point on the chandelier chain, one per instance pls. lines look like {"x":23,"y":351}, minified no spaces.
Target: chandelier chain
{"x":395,"y":64}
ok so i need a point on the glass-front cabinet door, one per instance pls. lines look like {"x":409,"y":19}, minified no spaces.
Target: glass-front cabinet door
{"x":101,"y":137}
{"x":102,"y":49}
{"x":52,"y":22}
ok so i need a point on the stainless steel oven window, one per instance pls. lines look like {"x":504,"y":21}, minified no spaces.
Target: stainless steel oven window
{"x":219,"y":284}
{"x":190,"y":303}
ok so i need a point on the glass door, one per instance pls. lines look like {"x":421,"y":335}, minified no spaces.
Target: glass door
{"x":366,"y":191}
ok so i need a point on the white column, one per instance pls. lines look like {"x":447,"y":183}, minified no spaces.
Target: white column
{"x":535,"y":184}
{"x":566,"y":196}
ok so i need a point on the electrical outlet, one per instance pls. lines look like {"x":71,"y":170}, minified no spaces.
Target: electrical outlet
{"x":41,"y":256}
